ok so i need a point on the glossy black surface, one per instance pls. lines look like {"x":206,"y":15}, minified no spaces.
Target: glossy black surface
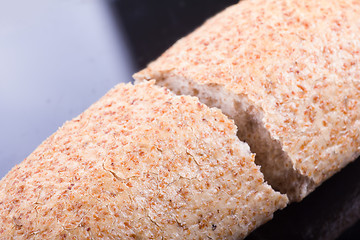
{"x":153,"y":26}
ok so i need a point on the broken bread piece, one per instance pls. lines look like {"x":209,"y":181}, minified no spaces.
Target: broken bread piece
{"x":288,"y":73}
{"x":140,"y":163}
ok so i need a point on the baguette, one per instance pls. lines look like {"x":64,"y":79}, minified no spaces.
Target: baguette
{"x":140,"y":163}
{"x":288,"y":73}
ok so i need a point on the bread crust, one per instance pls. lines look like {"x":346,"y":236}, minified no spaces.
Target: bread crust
{"x":139,"y":163}
{"x":296,"y":62}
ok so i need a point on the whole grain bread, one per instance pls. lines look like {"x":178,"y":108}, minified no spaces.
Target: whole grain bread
{"x":288,"y":73}
{"x":139,"y":163}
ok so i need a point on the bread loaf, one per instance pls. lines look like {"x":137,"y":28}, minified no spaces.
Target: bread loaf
{"x":139,"y":163}
{"x":288,"y":73}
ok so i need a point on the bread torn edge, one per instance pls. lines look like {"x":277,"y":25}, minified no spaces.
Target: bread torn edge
{"x":275,"y":164}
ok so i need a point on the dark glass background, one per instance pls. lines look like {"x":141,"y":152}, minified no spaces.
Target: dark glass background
{"x":57,"y":57}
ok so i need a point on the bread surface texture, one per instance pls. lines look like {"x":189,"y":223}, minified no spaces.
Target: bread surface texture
{"x":293,"y":68}
{"x":140,"y":163}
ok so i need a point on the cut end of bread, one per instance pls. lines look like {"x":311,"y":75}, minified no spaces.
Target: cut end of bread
{"x":140,"y":163}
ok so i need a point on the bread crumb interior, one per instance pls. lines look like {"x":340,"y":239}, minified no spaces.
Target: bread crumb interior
{"x":275,"y":164}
